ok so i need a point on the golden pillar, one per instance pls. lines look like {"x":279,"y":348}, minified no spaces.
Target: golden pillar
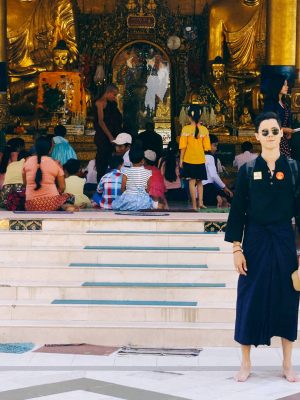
{"x":3,"y":65}
{"x":281,"y":32}
{"x":298,"y":46}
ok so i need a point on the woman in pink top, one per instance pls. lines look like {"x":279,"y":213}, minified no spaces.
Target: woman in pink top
{"x":44,"y":180}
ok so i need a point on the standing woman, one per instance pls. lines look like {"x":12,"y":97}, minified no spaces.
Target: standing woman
{"x":275,"y":102}
{"x":194,"y":141}
{"x":264,"y":250}
{"x":108,"y":123}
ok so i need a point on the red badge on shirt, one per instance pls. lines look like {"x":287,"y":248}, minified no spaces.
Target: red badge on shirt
{"x":280,"y":176}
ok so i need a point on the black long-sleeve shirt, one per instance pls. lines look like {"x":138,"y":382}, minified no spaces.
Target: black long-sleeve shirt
{"x":266,"y":200}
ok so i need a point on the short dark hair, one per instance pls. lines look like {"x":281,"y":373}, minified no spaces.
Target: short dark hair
{"x":213,"y":138}
{"x":265,"y":116}
{"x":115,"y":161}
{"x":60,"y":130}
{"x":72,"y":166}
{"x":246,"y":146}
{"x":149,"y":126}
{"x":136,"y":153}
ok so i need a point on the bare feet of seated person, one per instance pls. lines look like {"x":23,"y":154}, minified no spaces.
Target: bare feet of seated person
{"x":243,"y":373}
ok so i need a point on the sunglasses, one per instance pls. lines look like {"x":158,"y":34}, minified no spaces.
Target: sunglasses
{"x":266,"y":132}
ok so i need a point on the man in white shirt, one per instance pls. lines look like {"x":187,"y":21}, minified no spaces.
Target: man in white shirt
{"x":245,"y":156}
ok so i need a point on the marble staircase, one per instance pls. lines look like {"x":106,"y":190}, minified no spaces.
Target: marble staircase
{"x":102,"y":278}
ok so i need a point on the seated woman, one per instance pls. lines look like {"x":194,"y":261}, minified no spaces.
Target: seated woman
{"x":12,"y":195}
{"x":157,"y":188}
{"x":41,"y":174}
{"x":10,"y":154}
{"x":169,"y":167}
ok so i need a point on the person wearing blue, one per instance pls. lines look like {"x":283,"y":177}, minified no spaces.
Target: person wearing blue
{"x":62,"y":150}
{"x":135,"y":184}
{"x":264,"y":250}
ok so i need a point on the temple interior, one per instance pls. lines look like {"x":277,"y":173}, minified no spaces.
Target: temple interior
{"x":56,"y":57}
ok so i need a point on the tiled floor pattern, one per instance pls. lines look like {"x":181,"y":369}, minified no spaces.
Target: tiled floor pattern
{"x":36,"y":376}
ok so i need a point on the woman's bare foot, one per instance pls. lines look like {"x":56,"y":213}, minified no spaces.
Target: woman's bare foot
{"x":201,"y":205}
{"x":290,"y":375}
{"x":243,"y":373}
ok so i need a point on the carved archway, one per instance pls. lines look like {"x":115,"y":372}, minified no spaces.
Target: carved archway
{"x":143,"y":71}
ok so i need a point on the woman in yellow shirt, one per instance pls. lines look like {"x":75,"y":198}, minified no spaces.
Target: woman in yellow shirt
{"x":194,"y":141}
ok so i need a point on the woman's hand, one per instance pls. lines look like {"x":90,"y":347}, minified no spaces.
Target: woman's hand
{"x":240,"y":262}
{"x":180,"y":164}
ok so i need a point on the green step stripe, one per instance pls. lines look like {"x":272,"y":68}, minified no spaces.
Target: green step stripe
{"x":170,"y":266}
{"x":153,"y":232}
{"x":153,"y":284}
{"x":151,"y":248}
{"x":129,"y":303}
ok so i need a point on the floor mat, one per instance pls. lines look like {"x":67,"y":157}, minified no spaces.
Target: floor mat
{"x":17,"y":348}
{"x":80,"y":348}
{"x":159,"y":351}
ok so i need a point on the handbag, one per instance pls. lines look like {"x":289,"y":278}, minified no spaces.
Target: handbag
{"x":296,"y":280}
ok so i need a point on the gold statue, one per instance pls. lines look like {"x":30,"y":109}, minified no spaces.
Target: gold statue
{"x":34,"y":27}
{"x":241,"y":24}
{"x":219,"y":81}
{"x":220,"y":117}
{"x":68,"y":82}
{"x":245,"y":120}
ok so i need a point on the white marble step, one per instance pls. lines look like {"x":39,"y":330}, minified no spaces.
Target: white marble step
{"x":120,"y":274}
{"x":54,"y":255}
{"x":67,"y":290}
{"x":154,"y":223}
{"x":125,"y":238}
{"x":177,"y":335}
{"x":43,"y":311}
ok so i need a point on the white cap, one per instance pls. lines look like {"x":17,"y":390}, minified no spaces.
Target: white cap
{"x":150,"y":155}
{"x":123,"y":138}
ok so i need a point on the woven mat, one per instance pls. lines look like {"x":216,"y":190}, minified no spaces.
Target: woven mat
{"x":80,"y":348}
{"x":142,"y":213}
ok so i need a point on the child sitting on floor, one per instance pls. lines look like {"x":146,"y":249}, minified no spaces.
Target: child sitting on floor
{"x":135,"y":184}
{"x":109,"y":187}
{"x":157,"y":188}
{"x":75,"y":184}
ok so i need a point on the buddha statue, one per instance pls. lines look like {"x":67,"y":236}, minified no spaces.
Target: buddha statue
{"x":70,"y":83}
{"x":219,"y":80}
{"x":219,"y":121}
{"x":33,"y":29}
{"x":238,"y":25}
{"x":245,"y":120}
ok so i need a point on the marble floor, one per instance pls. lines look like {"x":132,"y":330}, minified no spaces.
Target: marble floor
{"x":208,"y":376}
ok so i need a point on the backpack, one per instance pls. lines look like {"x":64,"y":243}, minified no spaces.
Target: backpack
{"x":293,"y":165}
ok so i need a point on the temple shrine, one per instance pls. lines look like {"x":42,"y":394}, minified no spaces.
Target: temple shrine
{"x":57,"y":57}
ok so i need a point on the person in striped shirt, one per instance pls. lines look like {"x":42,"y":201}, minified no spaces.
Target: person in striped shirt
{"x":109,"y":187}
